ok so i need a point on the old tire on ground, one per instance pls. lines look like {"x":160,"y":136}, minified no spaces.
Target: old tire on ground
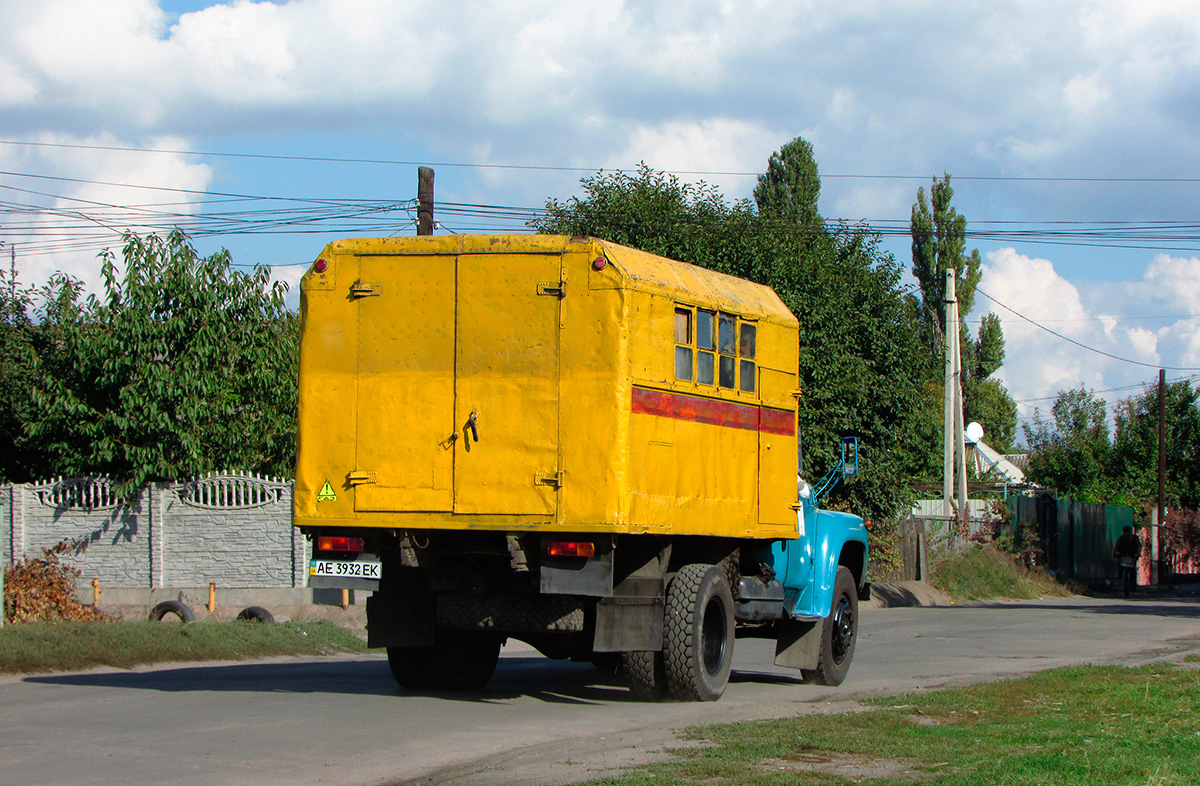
{"x":255,"y":614}
{"x":840,"y":632}
{"x":646,"y":673}
{"x":457,"y":660}
{"x":698,"y":633}
{"x":168,"y":607}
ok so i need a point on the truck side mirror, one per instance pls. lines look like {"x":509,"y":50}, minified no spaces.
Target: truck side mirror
{"x":849,"y":457}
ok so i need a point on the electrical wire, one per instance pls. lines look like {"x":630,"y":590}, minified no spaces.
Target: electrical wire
{"x":1084,"y":346}
{"x":527,"y":167}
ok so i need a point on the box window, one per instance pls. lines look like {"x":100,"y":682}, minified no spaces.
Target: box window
{"x":725,"y":333}
{"x":683,"y":326}
{"x":746,"y":346}
{"x":706,"y":368}
{"x":704,"y":329}
{"x":728,"y":371}
{"x":683,"y":363}
{"x":746,"y":381}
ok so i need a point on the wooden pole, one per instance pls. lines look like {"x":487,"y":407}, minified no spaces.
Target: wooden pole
{"x":1162,"y":463}
{"x":424,"y":201}
{"x":948,"y":408}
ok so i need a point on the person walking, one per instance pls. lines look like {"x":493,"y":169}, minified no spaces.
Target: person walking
{"x":1126,"y":552}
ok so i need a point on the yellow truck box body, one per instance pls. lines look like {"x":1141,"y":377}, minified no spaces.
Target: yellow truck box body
{"x":533,"y":382}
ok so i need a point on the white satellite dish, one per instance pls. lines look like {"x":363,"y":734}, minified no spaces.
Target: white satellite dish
{"x":974,"y":432}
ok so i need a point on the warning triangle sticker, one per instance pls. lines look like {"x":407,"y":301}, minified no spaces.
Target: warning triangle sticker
{"x":326,"y":494}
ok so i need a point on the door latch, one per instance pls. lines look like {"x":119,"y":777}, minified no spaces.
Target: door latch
{"x":552,"y":479}
{"x":359,"y":289}
{"x":471,"y":425}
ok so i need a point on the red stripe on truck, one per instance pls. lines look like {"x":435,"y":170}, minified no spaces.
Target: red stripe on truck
{"x":714,"y":412}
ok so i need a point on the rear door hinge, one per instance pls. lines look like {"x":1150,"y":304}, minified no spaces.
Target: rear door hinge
{"x":558,"y":290}
{"x":360,"y":477}
{"x":359,"y":289}
{"x":553,"y":479}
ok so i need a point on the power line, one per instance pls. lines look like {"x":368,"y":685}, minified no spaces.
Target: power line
{"x":547,"y":168}
{"x":1083,"y":346}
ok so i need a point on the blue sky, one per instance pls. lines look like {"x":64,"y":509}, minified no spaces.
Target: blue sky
{"x":1050,"y":117}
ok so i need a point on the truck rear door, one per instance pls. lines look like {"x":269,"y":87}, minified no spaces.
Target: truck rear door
{"x":458,"y":385}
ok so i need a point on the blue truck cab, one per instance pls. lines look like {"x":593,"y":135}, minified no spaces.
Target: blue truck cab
{"x":814,"y":582}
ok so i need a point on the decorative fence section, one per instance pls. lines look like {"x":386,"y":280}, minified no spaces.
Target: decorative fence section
{"x":233,"y":529}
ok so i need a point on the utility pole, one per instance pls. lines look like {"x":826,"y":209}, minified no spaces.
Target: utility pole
{"x":1162,"y":464}
{"x":424,"y":201}
{"x":953,"y":439}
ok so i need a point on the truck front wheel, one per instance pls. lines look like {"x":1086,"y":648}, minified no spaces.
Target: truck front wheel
{"x":840,"y":632}
{"x":457,"y":660}
{"x":698,"y":633}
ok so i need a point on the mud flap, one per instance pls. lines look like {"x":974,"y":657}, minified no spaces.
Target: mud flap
{"x":395,"y":620}
{"x":798,"y":644}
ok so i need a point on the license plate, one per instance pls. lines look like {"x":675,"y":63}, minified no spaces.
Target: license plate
{"x":343,"y":568}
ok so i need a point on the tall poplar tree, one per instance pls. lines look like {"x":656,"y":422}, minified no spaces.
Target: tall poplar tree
{"x":939,"y":244}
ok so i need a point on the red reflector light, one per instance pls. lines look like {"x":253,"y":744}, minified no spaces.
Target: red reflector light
{"x":570,"y":548}
{"x":599,"y":263}
{"x":339,"y":543}
{"x":320,"y":265}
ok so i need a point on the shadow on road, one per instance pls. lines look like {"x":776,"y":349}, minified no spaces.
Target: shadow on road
{"x":555,"y":682}
{"x":1183,"y":608}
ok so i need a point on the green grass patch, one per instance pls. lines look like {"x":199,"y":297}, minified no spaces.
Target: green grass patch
{"x":70,"y":646}
{"x":983,"y":572}
{"x":1068,"y":727}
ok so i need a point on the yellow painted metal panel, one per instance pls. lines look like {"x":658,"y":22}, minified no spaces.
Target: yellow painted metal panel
{"x":507,"y":376}
{"x":405,"y":383}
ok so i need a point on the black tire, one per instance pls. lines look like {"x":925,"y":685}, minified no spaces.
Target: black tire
{"x":698,"y":633}
{"x":607,"y":662}
{"x":646,"y":673}
{"x":839,"y":633}
{"x":168,"y":607}
{"x":255,"y":614}
{"x":457,"y":660}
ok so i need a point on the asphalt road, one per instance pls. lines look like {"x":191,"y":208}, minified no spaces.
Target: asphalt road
{"x":344,"y":721}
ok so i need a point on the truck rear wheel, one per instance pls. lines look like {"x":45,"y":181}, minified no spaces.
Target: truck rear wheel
{"x":839,"y":634}
{"x":647,"y":675}
{"x":698,"y":633}
{"x":457,"y":660}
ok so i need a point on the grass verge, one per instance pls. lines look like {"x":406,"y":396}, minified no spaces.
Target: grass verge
{"x":1067,"y":727}
{"x":69,"y":646}
{"x":983,"y":572}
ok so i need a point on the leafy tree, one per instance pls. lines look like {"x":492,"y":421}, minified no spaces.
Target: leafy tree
{"x":183,"y":365}
{"x":939,"y":244}
{"x":1071,"y":451}
{"x":789,"y":189}
{"x":858,"y":342}
{"x":15,"y":371}
{"x":1133,"y":471}
{"x":1079,"y":455}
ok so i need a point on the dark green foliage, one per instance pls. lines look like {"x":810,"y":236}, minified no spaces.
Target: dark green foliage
{"x":1069,"y":452}
{"x":988,"y":402}
{"x":183,"y":365}
{"x":789,"y":189}
{"x":939,"y":244}
{"x":1076,"y":453}
{"x":859,"y":347}
{"x":15,"y":373}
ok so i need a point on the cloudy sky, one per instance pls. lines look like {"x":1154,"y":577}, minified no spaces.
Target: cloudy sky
{"x":1070,"y":129}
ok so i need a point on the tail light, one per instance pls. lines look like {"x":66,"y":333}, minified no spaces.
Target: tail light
{"x":340,"y":543}
{"x":570,"y":548}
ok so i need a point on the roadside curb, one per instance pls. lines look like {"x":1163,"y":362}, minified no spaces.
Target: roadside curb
{"x":907,"y":594}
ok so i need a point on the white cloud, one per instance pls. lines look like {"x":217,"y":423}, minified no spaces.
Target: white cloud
{"x":60,"y":238}
{"x":718,"y":145}
{"x":1139,"y":320}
